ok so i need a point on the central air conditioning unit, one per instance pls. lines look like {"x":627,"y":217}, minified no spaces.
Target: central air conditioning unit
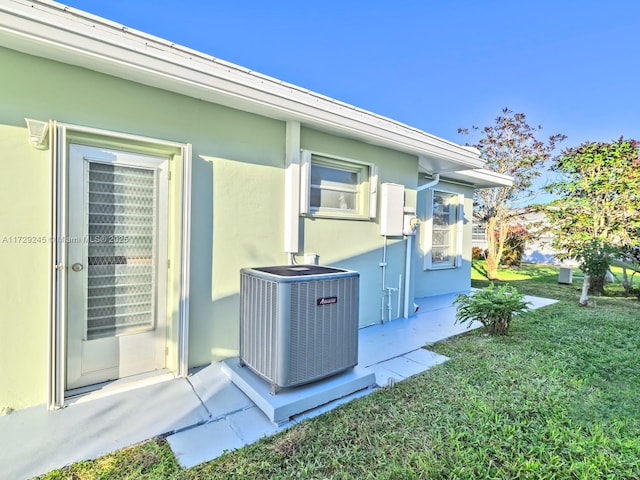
{"x":298,"y":323}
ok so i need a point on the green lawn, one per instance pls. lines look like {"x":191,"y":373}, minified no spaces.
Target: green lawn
{"x":559,"y":397}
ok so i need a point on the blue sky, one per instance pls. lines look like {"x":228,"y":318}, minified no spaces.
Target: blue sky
{"x":571,"y":66}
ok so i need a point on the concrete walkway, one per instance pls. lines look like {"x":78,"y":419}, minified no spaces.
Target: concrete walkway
{"x":205,"y":413}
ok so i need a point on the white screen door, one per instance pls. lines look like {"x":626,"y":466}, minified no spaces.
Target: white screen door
{"x":116,"y":264}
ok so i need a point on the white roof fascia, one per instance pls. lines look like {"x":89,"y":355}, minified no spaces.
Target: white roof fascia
{"x":481,"y":178}
{"x":68,"y":35}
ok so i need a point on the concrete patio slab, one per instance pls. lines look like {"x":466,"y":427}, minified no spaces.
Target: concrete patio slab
{"x":197,"y":445}
{"x":207,"y":442}
{"x":433,"y":322}
{"x":384,"y":376}
{"x":251,"y":425}
{"x":206,"y":412}
{"x":34,"y":440}
{"x":398,"y":368}
{"x":288,"y":402}
{"x":538,"y":302}
{"x":217,"y":392}
{"x":403,"y":367}
{"x":426,"y":357}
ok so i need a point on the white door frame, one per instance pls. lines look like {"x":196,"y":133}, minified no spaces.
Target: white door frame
{"x":57,"y":304}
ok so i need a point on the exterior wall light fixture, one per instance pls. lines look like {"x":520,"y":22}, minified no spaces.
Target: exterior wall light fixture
{"x":38,"y":133}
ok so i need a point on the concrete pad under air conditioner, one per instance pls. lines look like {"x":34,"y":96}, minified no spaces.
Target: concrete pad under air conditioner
{"x":288,"y":402}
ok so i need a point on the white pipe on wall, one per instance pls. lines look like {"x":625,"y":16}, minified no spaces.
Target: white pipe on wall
{"x":399,"y":290}
{"x":409,"y":252}
{"x":432,"y":183}
{"x":407,"y":274}
{"x":383,"y":264}
{"x":389,"y":291}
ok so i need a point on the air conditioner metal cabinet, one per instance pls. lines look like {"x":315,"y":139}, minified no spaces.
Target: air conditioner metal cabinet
{"x":298,"y":323}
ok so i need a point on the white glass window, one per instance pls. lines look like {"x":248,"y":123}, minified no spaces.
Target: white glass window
{"x":443,"y":242}
{"x":478,"y":234}
{"x":444,"y":237}
{"x":336,"y":187}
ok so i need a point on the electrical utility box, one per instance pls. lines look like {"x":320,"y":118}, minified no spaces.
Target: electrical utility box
{"x":565,"y":276}
{"x":392,"y":210}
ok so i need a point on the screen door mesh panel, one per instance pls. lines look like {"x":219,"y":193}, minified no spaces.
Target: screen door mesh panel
{"x":121,"y":250}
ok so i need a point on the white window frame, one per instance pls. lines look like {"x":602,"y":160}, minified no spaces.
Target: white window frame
{"x":456,"y":229}
{"x":478,"y":234}
{"x":61,"y":135}
{"x":352,"y":190}
{"x":366,"y":189}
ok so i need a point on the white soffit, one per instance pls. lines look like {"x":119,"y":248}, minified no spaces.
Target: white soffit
{"x":52,"y":30}
{"x":480,"y":178}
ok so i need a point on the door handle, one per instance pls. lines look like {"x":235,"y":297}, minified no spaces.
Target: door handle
{"x":77,"y":267}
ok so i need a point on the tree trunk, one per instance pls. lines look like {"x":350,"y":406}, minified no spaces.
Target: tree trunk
{"x":596,"y":285}
{"x":625,"y":282}
{"x":495,"y":246}
{"x":492,"y":267}
{"x":584,"y":297}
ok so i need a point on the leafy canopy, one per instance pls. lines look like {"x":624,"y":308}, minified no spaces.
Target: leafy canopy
{"x":599,"y":188}
{"x":511,"y":146}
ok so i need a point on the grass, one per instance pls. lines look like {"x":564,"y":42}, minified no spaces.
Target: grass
{"x":559,"y":397}
{"x":542,"y":281}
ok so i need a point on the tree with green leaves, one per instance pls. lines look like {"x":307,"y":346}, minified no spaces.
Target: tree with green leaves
{"x":598,"y":212}
{"x":512,"y":147}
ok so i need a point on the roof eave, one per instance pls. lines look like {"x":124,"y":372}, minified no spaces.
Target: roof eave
{"x":481,"y":178}
{"x":57,"y":32}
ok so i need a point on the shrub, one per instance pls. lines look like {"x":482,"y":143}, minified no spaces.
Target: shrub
{"x":492,"y":306}
{"x":514,"y":246}
{"x":595,"y":261}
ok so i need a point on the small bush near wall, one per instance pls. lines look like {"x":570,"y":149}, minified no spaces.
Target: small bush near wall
{"x":492,"y":306}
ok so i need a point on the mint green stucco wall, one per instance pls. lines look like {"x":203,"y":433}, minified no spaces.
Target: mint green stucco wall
{"x":234,"y":154}
{"x":436,"y":282}
{"x":237,"y":209}
{"x":24,"y":256}
{"x":358,"y":245}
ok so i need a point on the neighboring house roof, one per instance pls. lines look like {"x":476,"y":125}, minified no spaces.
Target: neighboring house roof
{"x":54,"y":31}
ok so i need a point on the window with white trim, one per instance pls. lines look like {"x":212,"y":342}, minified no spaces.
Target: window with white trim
{"x":445,"y":212}
{"x":337,"y":187}
{"x":478,"y":234}
{"x":334,"y":188}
